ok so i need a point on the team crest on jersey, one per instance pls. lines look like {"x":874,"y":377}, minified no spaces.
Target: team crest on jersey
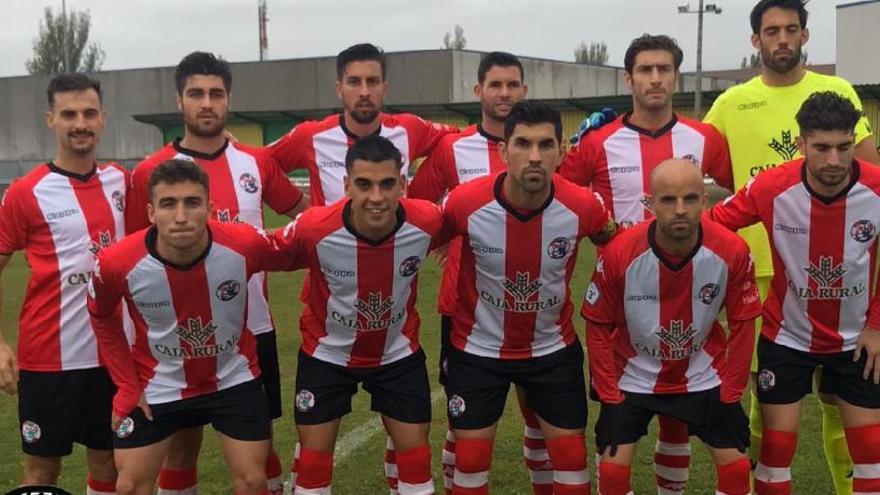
{"x":826,"y":274}
{"x":118,"y":200}
{"x":766,"y":380}
{"x":559,"y":248}
{"x":456,"y":406}
{"x":305,"y":400}
{"x":248,"y":183}
{"x":104,"y":240}
{"x":31,"y":432}
{"x":226,"y":216}
{"x":228,"y":289}
{"x":409,"y":266}
{"x":862,"y":231}
{"x":708,"y":293}
{"x":125,"y":428}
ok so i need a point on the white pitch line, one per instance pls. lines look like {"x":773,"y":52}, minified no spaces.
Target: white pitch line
{"x":355,"y":438}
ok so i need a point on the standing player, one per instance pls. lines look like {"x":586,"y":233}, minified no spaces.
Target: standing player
{"x":757,"y":118}
{"x":617,"y":160}
{"x":194,"y":361}
{"x":460,"y":158}
{"x":320,"y":146}
{"x":655,"y":343}
{"x":512,"y":322}
{"x":360,"y":323}
{"x":821,"y":213}
{"x":242,"y":179}
{"x":63,"y":213}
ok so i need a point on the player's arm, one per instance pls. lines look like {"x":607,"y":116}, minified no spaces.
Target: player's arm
{"x":600,"y":309}
{"x":292,"y":242}
{"x":8,"y":364}
{"x":427,"y":135}
{"x":430,"y":181}
{"x":136,"y":200}
{"x":601,"y":227}
{"x":737,"y":211}
{"x":14,"y":214}
{"x":869,"y":341}
{"x":743,"y":305}
{"x":279,"y":192}
{"x":578,"y":164}
{"x":291,"y":150}
{"x":717,"y":163}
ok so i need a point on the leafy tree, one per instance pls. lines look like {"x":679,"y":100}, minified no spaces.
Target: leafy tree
{"x":593,"y":54}
{"x":60,"y":32}
{"x":455,"y":41}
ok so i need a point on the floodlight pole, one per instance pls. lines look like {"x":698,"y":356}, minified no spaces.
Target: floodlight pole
{"x":698,"y":88}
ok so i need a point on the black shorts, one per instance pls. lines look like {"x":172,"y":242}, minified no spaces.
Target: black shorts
{"x":399,"y":390}
{"x":270,"y":375}
{"x":716,"y":423}
{"x":56,"y":409}
{"x":554,"y":386}
{"x":445,"y":344}
{"x":785,"y":376}
{"x":238,"y":412}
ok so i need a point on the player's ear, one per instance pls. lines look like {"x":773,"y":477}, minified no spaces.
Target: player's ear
{"x":756,"y":41}
{"x":502,"y":150}
{"x":801,"y":145}
{"x":705,"y":200}
{"x":628,"y":79}
{"x":339,"y":89}
{"x":151,"y":212}
{"x":346,"y":182}
{"x":478,"y":90}
{"x":49,"y":117}
{"x":525,"y":90}
{"x":179,"y":99}
{"x":805,"y":36}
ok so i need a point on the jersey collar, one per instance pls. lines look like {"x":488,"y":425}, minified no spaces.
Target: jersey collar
{"x":197,"y":154}
{"x":654,"y":134}
{"x":150,"y":241}
{"x":522,"y":217}
{"x":354,"y":136}
{"x":346,"y":221}
{"x":853,"y":178}
{"x":80,"y":177}
{"x":490,"y":137}
{"x":652,"y":230}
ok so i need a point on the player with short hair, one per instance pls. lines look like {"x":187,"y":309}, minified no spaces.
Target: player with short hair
{"x":194,"y":360}
{"x":242,"y":180}
{"x":617,"y":159}
{"x":62,"y":214}
{"x":655,"y":343}
{"x":821,"y":213}
{"x":360,"y":324}
{"x":520,"y":230}
{"x":758,"y":120}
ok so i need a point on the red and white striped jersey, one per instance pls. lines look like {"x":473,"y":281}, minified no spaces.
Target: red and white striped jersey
{"x":616,"y":160}
{"x":458,"y":158}
{"x":513,"y":296}
{"x":824,"y":254}
{"x":241,"y":179}
{"x":190,"y":321}
{"x":360,"y":297}
{"x":62,"y":221}
{"x":667,"y":338}
{"x":321,"y":146}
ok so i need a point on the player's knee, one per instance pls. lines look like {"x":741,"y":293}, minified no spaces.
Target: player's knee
{"x":473,"y":455}
{"x":251,"y":481}
{"x":568,"y":453}
{"x":126,"y":485}
{"x":41,"y":470}
{"x":101,"y":465}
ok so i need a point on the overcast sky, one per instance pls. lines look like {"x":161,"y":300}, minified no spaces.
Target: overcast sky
{"x":149,"y":33}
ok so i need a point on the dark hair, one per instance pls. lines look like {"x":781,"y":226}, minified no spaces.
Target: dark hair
{"x":532,"y":112}
{"x":758,"y":10}
{"x":202,"y":64}
{"x":175,"y":171}
{"x":498,"y":59}
{"x":827,"y":111}
{"x":373,"y":148}
{"x":359,"y":53}
{"x":73,"y":81}
{"x":647,"y":42}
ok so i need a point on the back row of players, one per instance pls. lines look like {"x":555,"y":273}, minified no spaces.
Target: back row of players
{"x":506,"y":316}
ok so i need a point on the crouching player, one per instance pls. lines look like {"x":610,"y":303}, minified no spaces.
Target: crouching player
{"x":654,"y":341}
{"x":185,"y":282}
{"x":359,"y":324}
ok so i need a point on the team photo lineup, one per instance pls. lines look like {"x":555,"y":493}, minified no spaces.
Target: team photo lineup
{"x":146,"y":315}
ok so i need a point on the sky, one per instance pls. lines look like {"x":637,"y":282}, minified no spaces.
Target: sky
{"x":151,"y":33}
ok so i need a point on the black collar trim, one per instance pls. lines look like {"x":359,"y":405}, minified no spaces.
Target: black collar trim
{"x":354,"y":136}
{"x":853,"y":178}
{"x":490,"y":137}
{"x":499,"y":183}
{"x":666,"y":261}
{"x":654,"y":134}
{"x":197,"y":154}
{"x":150,"y":241}
{"x":73,"y":175}
{"x":346,"y":221}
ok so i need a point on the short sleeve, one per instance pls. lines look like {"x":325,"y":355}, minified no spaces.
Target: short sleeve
{"x":291,"y":151}
{"x":14,"y":219}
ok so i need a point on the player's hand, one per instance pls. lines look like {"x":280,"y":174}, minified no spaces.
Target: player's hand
{"x":116,"y":420}
{"x":869,"y":343}
{"x":441,"y":254}
{"x":610,"y":419}
{"x":592,"y":122}
{"x":8,"y":369}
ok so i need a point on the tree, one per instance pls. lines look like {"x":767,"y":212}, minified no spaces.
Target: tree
{"x":455,"y":41}
{"x":60,"y":32}
{"x":593,"y":54}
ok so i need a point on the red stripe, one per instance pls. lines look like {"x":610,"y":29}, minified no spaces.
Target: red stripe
{"x":222,"y":188}
{"x":675,"y":309}
{"x":826,"y":245}
{"x":522,"y":265}
{"x":141,"y":346}
{"x":191,"y":298}
{"x":316,"y":189}
{"x":654,"y":151}
{"x":375,"y":278}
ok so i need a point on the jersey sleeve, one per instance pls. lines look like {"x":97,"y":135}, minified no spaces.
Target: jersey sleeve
{"x":742,"y":301}
{"x":602,"y":302}
{"x":138,"y":196}
{"x":579,"y":164}
{"x":451,"y":222}
{"x":104,"y":303}
{"x":738,"y":211}
{"x":292,"y":150}
{"x":278,"y":192}
{"x":292,"y":240}
{"x":425,"y":135}
{"x":716,"y":162}
{"x":602,"y":299}
{"x":432,"y":178}
{"x":715,"y":115}
{"x":597,"y":221}
{"x":13,"y":219}
{"x":262,"y":250}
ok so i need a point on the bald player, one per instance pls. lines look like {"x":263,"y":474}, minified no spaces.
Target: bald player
{"x":654,"y":341}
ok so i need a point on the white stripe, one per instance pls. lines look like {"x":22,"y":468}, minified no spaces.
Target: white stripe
{"x":426,"y":488}
{"x":448,"y":457}
{"x":557,"y":222}
{"x":866,"y":471}
{"x":390,"y":470}
{"x":450,"y":436}
{"x":311,"y":491}
{"x":792,"y":208}
{"x":533,"y":433}
{"x":330,"y":148}
{"x":389,"y":445}
{"x":771,"y":474}
{"x":535,"y":454}
{"x":671,"y":474}
{"x":673,"y":448}
{"x":471,"y":480}
{"x":486,"y":230}
{"x":541,"y":477}
{"x":581,"y":477}
{"x":642,"y":278}
{"x":623,"y":152}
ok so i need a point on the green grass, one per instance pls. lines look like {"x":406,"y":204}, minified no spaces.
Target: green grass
{"x":362,"y":472}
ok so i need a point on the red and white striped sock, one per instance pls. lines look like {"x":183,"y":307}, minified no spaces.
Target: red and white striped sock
{"x":99,"y":487}
{"x":414,"y":471}
{"x":569,"y":457}
{"x":448,"y":461}
{"x":535,"y":454}
{"x":773,"y":472}
{"x":864,"y":448}
{"x":733,"y":477}
{"x":274,"y":483}
{"x":177,"y":481}
{"x":473,"y":458}
{"x":614,"y":479}
{"x":315,"y":472}
{"x":390,"y":466}
{"x":672,"y":456}
{"x":294,"y":466}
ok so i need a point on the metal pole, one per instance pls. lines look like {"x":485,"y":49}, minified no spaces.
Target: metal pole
{"x":64,"y":49}
{"x":698,"y":90}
